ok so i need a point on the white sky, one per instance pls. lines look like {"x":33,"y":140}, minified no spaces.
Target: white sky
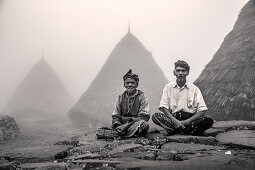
{"x":77,"y":36}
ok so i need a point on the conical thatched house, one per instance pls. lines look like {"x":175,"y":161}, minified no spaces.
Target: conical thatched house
{"x":228,"y":80}
{"x":96,"y":104}
{"x":41,"y":94}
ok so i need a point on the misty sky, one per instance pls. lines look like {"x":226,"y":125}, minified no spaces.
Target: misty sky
{"x":77,"y":36}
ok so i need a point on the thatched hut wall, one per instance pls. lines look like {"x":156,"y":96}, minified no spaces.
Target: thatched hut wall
{"x":228,"y":80}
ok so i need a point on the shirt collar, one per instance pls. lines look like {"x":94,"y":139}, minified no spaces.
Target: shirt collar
{"x":176,"y":85}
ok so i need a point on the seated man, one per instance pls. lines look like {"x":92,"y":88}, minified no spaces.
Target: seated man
{"x":182,"y":105}
{"x":131,"y":111}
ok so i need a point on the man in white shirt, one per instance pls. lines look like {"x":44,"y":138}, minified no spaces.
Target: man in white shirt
{"x":182,"y":105}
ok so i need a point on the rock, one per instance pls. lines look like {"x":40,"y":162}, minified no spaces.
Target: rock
{"x":43,"y":166}
{"x":97,"y":164}
{"x":103,"y":168}
{"x":136,"y":154}
{"x":224,"y":126}
{"x":102,"y":148}
{"x":3,"y":161}
{"x":123,"y":148}
{"x":150,"y":148}
{"x":245,"y":158}
{"x":170,"y":156}
{"x":8,"y":127}
{"x":154,"y":135}
{"x":61,"y":155}
{"x":51,"y":167}
{"x":159,"y":142}
{"x":28,"y":159}
{"x":192,"y":139}
{"x":212,"y":132}
{"x":97,"y":161}
{"x":73,"y":166}
{"x":35,"y":153}
{"x":9,"y":166}
{"x":239,"y":138}
{"x":234,"y":125}
{"x":72,"y":143}
{"x":1,"y":135}
{"x":143,"y":141}
{"x":210,"y":162}
{"x":149,"y":156}
{"x":88,"y":143}
{"x":181,"y":152}
{"x":189,"y":148}
{"x":86,"y":138}
{"x":85,"y":156}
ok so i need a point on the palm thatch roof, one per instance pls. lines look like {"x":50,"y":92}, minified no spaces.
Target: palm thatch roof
{"x":228,"y":80}
{"x":96,"y":105}
{"x":41,"y":93}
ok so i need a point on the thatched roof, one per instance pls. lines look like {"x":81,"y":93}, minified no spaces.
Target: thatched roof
{"x":41,"y":93}
{"x":228,"y":80}
{"x":96,"y":104}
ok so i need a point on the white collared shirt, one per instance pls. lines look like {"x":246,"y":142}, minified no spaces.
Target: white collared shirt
{"x":188,"y":98}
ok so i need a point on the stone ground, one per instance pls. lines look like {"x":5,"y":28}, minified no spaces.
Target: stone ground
{"x":228,"y":145}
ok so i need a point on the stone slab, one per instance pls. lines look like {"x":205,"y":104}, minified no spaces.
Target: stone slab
{"x":242,"y":138}
{"x":46,"y":151}
{"x":192,"y":139}
{"x":97,"y":161}
{"x":235,"y":125}
{"x":213,"y":132}
{"x":138,"y":154}
{"x":3,"y":161}
{"x":213,"y":162}
{"x":85,"y":156}
{"x":154,"y":135}
{"x":45,"y":165}
{"x":123,"y":148}
{"x":1,"y":136}
{"x":189,"y":148}
{"x":9,"y":165}
{"x":102,"y":149}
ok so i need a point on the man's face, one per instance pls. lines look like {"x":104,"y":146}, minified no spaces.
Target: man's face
{"x":180,"y":73}
{"x":130,"y":84}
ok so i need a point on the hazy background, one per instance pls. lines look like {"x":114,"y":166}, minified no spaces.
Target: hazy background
{"x":77,"y":36}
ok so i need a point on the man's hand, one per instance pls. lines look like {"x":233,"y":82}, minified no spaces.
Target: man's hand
{"x":185,"y":122}
{"x":178,"y":124}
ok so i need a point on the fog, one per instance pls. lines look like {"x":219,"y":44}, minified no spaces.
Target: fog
{"x":77,"y":36}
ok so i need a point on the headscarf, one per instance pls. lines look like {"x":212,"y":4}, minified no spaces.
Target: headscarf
{"x":129,"y":74}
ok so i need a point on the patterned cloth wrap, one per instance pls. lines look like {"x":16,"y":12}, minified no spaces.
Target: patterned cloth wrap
{"x":126,"y":130}
{"x":196,"y":127}
{"x":107,"y":133}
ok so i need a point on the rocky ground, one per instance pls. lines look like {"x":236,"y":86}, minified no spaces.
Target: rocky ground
{"x":228,"y":145}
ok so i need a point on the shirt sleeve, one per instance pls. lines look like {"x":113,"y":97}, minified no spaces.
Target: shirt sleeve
{"x":164,"y":102}
{"x":144,"y":110}
{"x":199,"y":101}
{"x":116,"y":116}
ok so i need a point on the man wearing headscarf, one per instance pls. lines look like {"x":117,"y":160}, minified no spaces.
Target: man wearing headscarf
{"x":131,"y":111}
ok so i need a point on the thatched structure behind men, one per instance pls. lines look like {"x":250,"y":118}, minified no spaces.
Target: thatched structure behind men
{"x":228,"y":80}
{"x":40,"y":94}
{"x":95,"y":106}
